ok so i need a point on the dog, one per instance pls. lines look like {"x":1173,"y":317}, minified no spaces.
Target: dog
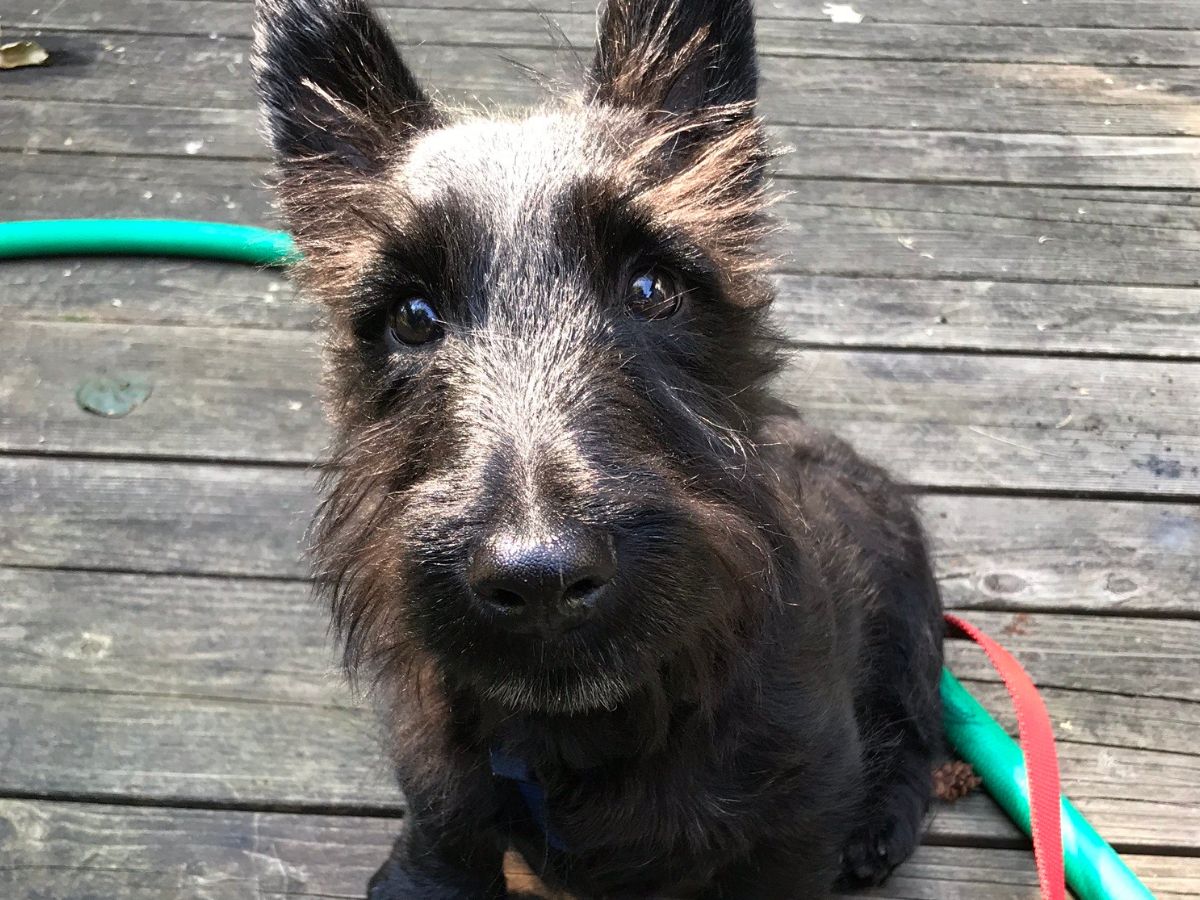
{"x":624,"y":612}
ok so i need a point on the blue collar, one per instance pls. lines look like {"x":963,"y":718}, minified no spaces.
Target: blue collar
{"x":516,"y":770}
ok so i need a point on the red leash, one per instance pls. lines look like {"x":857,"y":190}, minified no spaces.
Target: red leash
{"x":1041,"y":760}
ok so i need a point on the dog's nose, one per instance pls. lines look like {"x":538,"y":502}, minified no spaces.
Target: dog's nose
{"x":545,"y":583}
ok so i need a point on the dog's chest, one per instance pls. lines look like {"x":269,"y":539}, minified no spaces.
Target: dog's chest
{"x":609,"y":833}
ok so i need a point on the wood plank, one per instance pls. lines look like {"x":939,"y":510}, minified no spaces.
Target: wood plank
{"x":839,"y":228}
{"x":88,"y":850}
{"x":190,"y":72}
{"x":86,"y":185}
{"x":948,"y":156}
{"x":246,"y":642}
{"x":124,"y":128}
{"x":179,"y":749}
{"x":789,"y":37}
{"x":183,"y":750}
{"x":857,"y":227}
{"x":1177,"y":14}
{"x":1129,"y":822}
{"x":888,"y":154}
{"x":1008,"y":422}
{"x":78,"y":851}
{"x":948,"y":421}
{"x":1030,"y":554}
{"x":1019,"y":234}
{"x":1099,"y":720}
{"x":832,"y":311}
{"x":1107,"y":654}
{"x":175,"y":518}
{"x":952,"y":873}
{"x":816,"y":310}
{"x":90,"y":708}
{"x":995,"y":553}
{"x":955,"y":42}
{"x":117,"y":646}
{"x":1084,"y":13}
{"x":211,"y":630}
{"x":210,"y":397}
{"x":130,"y":291}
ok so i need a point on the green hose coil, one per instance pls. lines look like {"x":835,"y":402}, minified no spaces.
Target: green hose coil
{"x":146,"y":237}
{"x":1093,"y":869}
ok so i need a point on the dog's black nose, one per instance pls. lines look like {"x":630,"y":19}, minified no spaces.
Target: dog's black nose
{"x":543,"y":583}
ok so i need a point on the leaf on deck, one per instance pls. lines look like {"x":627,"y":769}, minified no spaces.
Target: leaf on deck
{"x":22,"y":53}
{"x":113,"y":398}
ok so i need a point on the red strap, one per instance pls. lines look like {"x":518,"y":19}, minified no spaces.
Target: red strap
{"x":1041,"y":761}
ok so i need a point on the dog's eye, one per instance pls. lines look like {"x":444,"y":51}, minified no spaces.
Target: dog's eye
{"x":653,"y":296}
{"x":414,"y":321}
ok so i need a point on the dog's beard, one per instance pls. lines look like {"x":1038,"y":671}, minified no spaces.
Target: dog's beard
{"x":693,"y":581}
{"x":675,"y":628}
{"x":559,"y":694}
{"x":594,"y":667}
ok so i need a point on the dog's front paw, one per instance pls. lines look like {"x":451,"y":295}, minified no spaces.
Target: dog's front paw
{"x":875,"y":849}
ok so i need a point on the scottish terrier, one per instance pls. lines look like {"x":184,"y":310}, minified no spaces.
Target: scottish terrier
{"x":625,"y":612}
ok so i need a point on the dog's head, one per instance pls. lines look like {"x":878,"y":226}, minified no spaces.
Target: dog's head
{"x":547,"y":349}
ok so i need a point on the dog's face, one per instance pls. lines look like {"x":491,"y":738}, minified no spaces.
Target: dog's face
{"x":546,"y":350}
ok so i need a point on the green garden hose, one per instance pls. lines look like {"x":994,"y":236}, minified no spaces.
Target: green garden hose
{"x":1093,"y":869}
{"x":146,"y":237}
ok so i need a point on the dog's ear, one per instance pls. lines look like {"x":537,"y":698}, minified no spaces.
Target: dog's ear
{"x":676,"y":56}
{"x":689,"y":70}
{"x":333,"y":88}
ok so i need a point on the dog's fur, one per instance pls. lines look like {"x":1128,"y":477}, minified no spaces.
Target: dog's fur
{"x":752,"y":711}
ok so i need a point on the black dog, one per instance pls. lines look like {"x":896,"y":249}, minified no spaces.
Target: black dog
{"x":626,"y":612}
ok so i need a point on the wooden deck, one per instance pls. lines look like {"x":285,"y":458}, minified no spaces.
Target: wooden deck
{"x":993,"y":271}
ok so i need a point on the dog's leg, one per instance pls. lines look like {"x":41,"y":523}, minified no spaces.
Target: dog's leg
{"x":874,"y":557}
{"x":423,"y":867}
{"x":899,"y":712}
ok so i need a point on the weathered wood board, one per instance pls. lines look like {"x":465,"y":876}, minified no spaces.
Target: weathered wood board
{"x":197,"y":72}
{"x":983,"y":421}
{"x":83,"y":851}
{"x":151,"y":292}
{"x":814,"y":310}
{"x":1004,"y":553}
{"x":836,"y":228}
{"x":1007,"y":316}
{"x":177,"y":518}
{"x":1138,"y":14}
{"x":78,"y":851}
{"x":799,"y":36}
{"x":184,"y":751}
{"x":202,"y":638}
{"x":890,"y":154}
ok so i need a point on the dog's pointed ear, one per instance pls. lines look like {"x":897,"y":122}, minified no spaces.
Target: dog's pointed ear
{"x":676,"y":56}
{"x":333,"y":88}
